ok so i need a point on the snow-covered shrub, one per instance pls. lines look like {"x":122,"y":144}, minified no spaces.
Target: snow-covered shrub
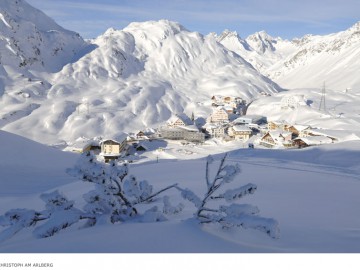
{"x":59,"y":214}
{"x":170,"y":209}
{"x":116,"y":195}
{"x":115,"y":198}
{"x":240,"y":215}
{"x":16,"y":220}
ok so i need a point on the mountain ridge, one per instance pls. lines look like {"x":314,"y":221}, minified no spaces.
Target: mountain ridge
{"x":305,"y":61}
{"x":138,"y":77}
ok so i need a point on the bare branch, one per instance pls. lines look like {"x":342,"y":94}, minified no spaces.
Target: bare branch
{"x":157,"y":193}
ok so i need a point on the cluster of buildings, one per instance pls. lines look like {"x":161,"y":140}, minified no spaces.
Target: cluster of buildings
{"x":226,"y":122}
{"x":284,"y":135}
{"x":232,"y":105}
{"x":272,"y":134}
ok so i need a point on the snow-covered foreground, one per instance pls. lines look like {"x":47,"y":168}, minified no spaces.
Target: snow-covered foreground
{"x":312,"y":193}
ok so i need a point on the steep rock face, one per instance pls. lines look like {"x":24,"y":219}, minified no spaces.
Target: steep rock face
{"x":31,"y":40}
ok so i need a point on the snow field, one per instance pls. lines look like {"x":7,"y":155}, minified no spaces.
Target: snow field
{"x":313,"y":201}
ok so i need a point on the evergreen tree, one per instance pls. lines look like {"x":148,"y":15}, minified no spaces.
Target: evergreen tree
{"x":228,"y":215}
{"x":115,"y":198}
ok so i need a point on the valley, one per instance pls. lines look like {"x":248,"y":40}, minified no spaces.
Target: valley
{"x":159,"y":98}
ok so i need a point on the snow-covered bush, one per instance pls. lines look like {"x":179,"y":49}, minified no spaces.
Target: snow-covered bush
{"x":115,"y":198}
{"x":230,"y":215}
{"x":59,"y":214}
{"x":116,"y":195}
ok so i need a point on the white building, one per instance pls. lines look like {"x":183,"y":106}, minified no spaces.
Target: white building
{"x":219,"y":115}
{"x":249,"y":119}
{"x":240,"y":132}
{"x":179,"y":120}
{"x":189,"y":133}
{"x":277,"y":139}
{"x":114,"y":148}
{"x":292,"y":101}
{"x":215,"y":130}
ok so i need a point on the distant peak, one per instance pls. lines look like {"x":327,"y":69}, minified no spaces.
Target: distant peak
{"x":227,"y":34}
{"x":263,"y":35}
{"x":262,"y":42}
{"x":110,"y":31}
{"x":355,"y":27}
{"x":161,"y":24}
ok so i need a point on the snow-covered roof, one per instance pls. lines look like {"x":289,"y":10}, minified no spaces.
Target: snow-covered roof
{"x":220,"y":109}
{"x":278,"y":136}
{"x":183,"y":117}
{"x":80,"y":144}
{"x":315,"y":140}
{"x":119,"y":138}
{"x":209,"y":126}
{"x":190,"y":128}
{"x":166,"y":128}
{"x":336,"y":134}
{"x":241,"y":128}
{"x":253,"y":118}
{"x":300,"y":127}
{"x":280,"y":133}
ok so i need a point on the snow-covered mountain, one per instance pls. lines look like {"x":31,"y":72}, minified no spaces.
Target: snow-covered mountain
{"x":332,"y":59}
{"x":304,"y":62}
{"x":260,"y":49}
{"x":32,"y":45}
{"x":30,"y":39}
{"x":56,"y":87}
{"x":125,"y":80}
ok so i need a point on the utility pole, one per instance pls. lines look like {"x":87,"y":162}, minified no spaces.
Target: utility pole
{"x":322,"y":106}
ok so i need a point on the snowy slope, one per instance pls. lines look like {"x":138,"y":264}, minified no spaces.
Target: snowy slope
{"x":332,"y":59}
{"x":32,"y":46}
{"x":29,"y":167}
{"x":260,"y":49}
{"x":30,"y":39}
{"x":302,"y":189}
{"x":131,"y":79}
{"x":342,"y":115}
{"x":305,"y":62}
